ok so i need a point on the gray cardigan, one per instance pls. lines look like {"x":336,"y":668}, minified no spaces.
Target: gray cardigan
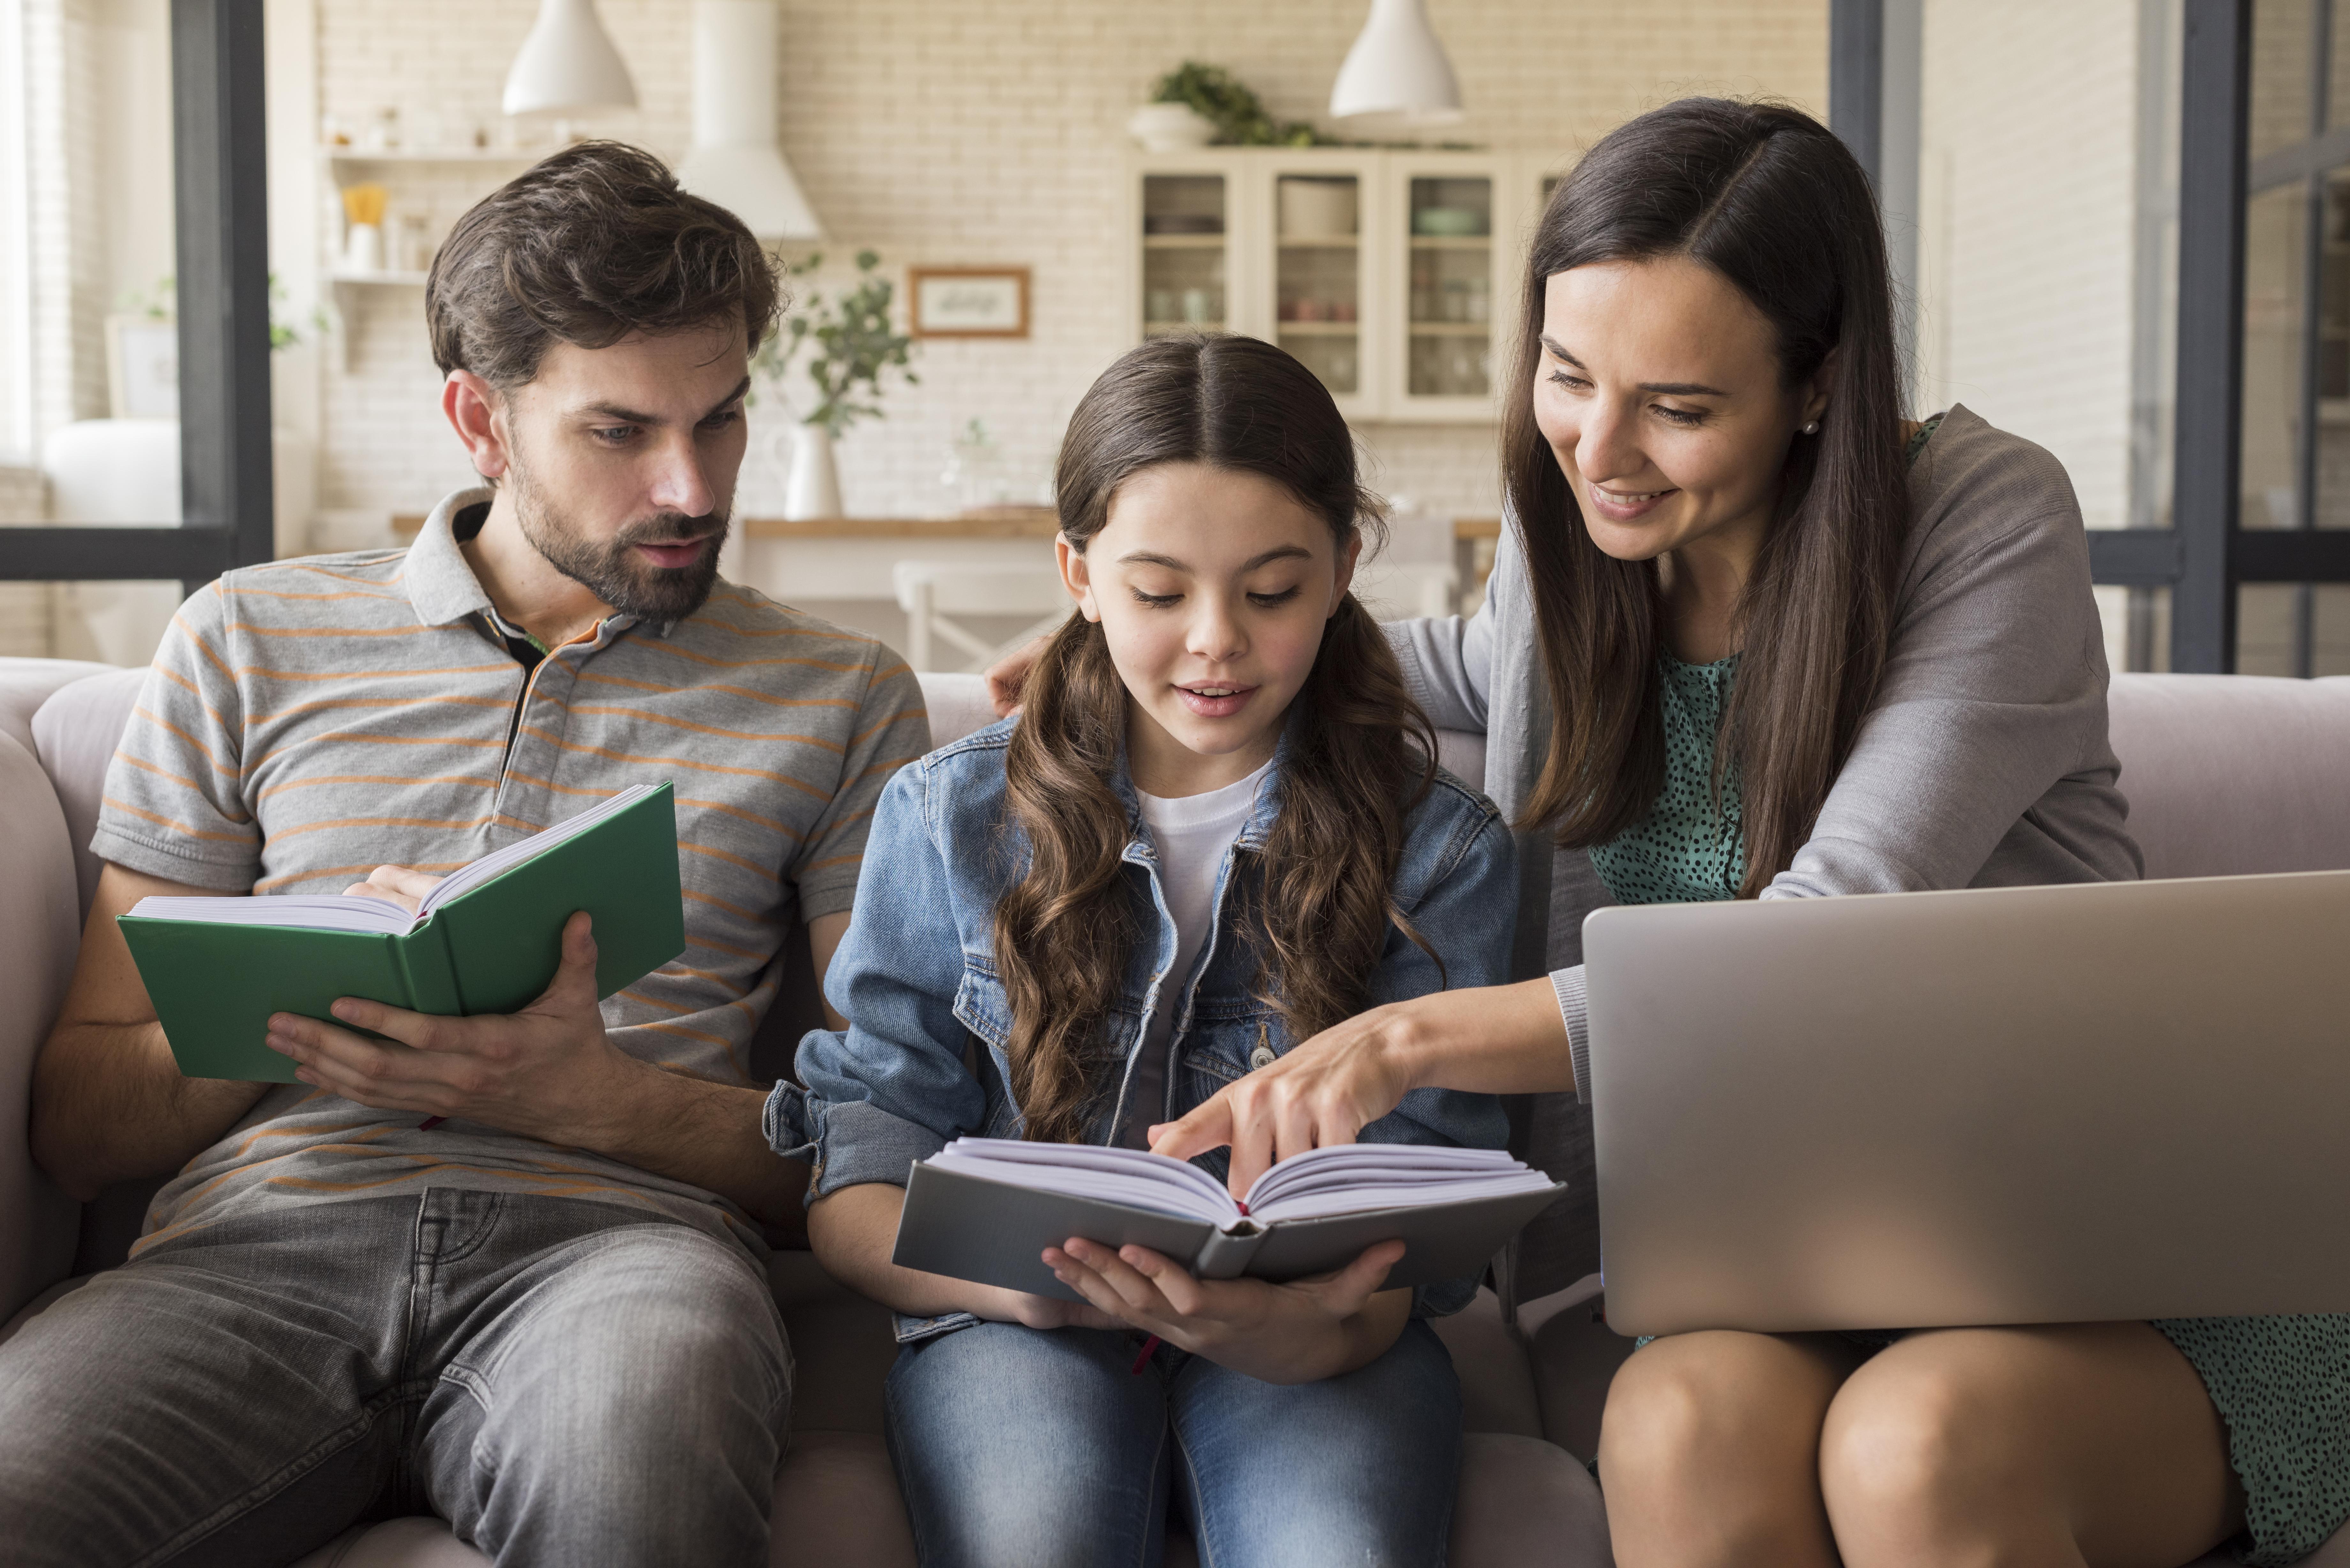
{"x":1983,"y":760}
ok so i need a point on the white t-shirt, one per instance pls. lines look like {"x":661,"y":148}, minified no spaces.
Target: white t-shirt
{"x":1192,"y":832}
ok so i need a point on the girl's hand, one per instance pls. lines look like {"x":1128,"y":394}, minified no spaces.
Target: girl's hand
{"x":1296,"y":1333}
{"x":999,"y":1306}
{"x":1324,"y":1091}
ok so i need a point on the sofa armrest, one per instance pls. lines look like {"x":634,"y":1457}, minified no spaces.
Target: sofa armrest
{"x":39,"y":933}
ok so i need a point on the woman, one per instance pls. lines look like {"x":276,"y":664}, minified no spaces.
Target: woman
{"x":1753,"y":635}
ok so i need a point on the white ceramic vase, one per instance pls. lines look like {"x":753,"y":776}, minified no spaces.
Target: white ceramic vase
{"x":812,"y":491}
{"x":1171,"y":127}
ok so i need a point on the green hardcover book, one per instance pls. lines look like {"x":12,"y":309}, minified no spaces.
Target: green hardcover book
{"x":488,"y":939}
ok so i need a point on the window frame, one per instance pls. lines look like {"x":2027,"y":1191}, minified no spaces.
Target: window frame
{"x":221,"y":189}
{"x":2206,"y":554}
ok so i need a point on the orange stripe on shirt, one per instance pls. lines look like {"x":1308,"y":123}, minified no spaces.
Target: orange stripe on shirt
{"x":750,"y":865}
{"x":899,"y":717}
{"x":251,"y":630}
{"x":463,"y":824}
{"x":184,"y":684}
{"x":145,"y":766}
{"x":309,"y":565}
{"x":165,"y":724}
{"x":362,"y":737}
{"x":539,"y":735}
{"x":650,"y":717}
{"x":507,"y":666}
{"x":751,"y":915}
{"x":714,"y":662}
{"x":328,"y":705}
{"x":326,"y":873}
{"x":180,"y":827}
{"x":714,"y":945}
{"x":283,"y":593}
{"x":771,"y":824}
{"x":590,"y":678}
{"x":477,"y":780}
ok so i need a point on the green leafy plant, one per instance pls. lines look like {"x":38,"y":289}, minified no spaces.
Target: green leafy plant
{"x":1239,"y":116}
{"x":161,"y":303}
{"x":849,"y":343}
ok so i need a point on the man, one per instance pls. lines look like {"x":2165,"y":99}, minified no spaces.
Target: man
{"x":504,"y":1268}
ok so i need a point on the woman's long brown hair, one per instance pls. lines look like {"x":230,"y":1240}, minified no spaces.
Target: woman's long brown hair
{"x":1315,"y":903}
{"x":1767,"y":197}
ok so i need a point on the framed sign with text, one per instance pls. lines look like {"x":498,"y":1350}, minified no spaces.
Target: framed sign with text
{"x":968,"y":301}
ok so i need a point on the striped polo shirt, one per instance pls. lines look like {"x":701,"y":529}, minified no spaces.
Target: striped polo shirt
{"x":308,"y":721}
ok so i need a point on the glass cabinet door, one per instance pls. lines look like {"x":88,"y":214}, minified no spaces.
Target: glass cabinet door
{"x":1450,"y":339}
{"x":1318,"y":276}
{"x":1184,"y":286}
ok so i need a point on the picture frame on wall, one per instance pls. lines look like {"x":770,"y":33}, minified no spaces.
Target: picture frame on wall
{"x":968,"y":301}
{"x":142,"y":364}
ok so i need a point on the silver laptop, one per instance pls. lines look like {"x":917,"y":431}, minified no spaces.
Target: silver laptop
{"x":2011,"y":1104}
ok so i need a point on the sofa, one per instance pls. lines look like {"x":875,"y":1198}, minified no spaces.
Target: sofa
{"x":2225,"y":775}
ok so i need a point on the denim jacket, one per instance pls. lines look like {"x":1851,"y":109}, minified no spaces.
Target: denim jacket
{"x":923,"y":1059}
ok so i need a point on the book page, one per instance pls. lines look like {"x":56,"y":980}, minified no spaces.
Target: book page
{"x":1345,"y":1178}
{"x":302,"y":911}
{"x":1129,"y":1176}
{"x":495,"y":864}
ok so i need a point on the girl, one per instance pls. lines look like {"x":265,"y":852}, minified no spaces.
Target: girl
{"x":1216,"y":830}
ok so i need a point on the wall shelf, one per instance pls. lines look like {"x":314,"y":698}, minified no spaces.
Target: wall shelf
{"x":337,"y":154}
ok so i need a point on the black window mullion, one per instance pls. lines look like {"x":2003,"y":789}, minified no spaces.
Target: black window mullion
{"x":2214,"y":93}
{"x":2312,"y":292}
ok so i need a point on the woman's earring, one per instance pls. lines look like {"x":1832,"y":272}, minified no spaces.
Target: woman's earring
{"x":1811,"y":428}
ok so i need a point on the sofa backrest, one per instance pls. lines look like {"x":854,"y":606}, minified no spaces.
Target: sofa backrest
{"x":2231,"y":774}
{"x":26,"y":683}
{"x":2226,"y":774}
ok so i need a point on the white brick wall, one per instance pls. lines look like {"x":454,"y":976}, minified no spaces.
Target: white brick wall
{"x":992,"y":132}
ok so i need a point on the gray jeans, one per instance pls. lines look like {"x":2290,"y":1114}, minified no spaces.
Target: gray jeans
{"x":566,"y":1382}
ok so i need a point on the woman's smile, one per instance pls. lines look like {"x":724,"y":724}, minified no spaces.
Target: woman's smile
{"x":1622,"y":505}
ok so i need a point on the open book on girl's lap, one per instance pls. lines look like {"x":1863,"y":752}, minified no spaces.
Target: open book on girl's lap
{"x":986,"y":1209}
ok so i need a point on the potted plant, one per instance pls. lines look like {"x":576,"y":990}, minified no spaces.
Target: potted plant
{"x":1221,"y":110}
{"x":849,"y":343}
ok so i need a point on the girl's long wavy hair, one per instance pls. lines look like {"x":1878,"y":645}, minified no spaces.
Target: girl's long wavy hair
{"x":1315,"y":903}
{"x":1770,"y":199}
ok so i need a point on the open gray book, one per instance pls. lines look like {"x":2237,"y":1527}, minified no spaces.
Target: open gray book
{"x":986,"y":1209}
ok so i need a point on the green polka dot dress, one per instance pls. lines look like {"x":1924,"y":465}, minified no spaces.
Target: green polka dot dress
{"x":2280,"y":1384}
{"x":1690,"y":848}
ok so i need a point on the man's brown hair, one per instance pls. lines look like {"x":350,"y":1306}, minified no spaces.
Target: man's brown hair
{"x":586,"y":247}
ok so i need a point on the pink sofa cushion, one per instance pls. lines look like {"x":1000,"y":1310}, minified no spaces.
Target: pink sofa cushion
{"x":2232,"y":774}
{"x":75,"y":734}
{"x":26,"y":683}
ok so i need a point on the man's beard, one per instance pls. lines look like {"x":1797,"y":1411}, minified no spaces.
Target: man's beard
{"x":612,"y":570}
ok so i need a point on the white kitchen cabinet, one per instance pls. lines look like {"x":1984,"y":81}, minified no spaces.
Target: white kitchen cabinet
{"x":1392,"y":275}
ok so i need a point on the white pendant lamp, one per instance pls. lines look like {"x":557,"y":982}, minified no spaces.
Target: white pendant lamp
{"x":735,"y":162}
{"x":568,"y":65}
{"x":1397,"y":75}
